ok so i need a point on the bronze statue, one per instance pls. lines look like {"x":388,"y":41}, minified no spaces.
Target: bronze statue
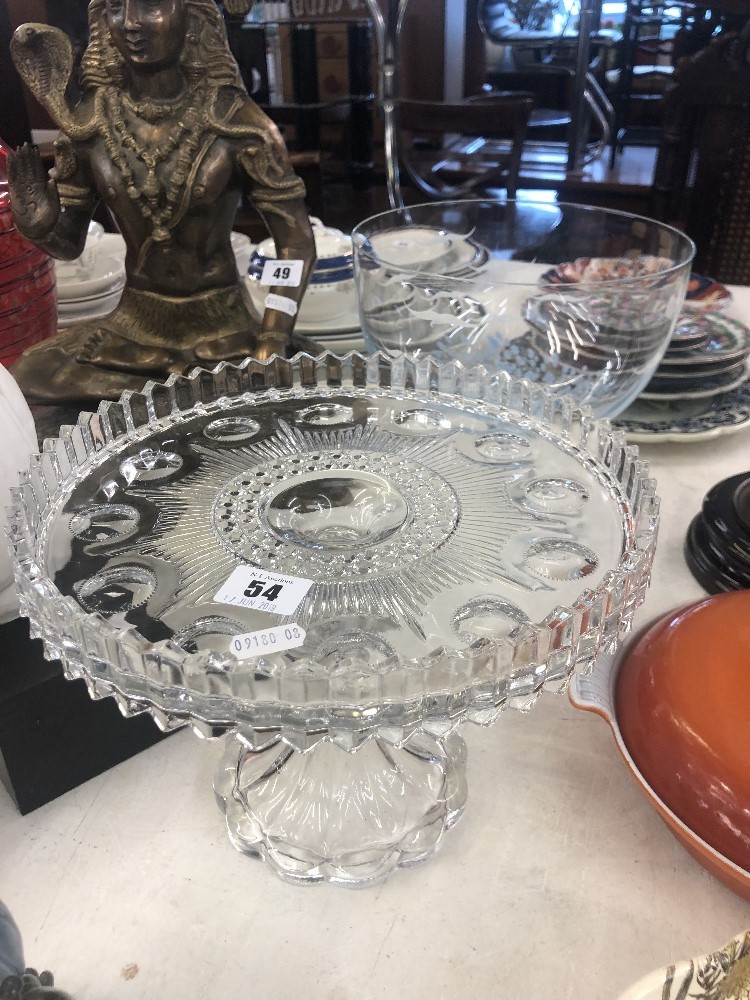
{"x":166,"y":135}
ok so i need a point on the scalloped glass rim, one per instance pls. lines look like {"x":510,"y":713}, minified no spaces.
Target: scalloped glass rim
{"x":207,"y":689}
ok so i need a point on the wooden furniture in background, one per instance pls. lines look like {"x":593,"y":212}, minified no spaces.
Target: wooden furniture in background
{"x":14,"y":119}
{"x":702,"y":177}
{"x":472,"y":161}
{"x":20,"y":112}
{"x":645,"y":64}
{"x":318,"y":88}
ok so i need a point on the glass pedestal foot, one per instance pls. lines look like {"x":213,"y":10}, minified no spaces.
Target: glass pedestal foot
{"x":343,"y":816}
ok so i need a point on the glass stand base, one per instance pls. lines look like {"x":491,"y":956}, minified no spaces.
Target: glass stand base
{"x":343,"y":816}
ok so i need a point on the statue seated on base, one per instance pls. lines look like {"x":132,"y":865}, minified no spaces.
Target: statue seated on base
{"x":167,"y":137}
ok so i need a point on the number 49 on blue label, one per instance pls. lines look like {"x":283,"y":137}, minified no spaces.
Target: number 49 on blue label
{"x":286,"y":273}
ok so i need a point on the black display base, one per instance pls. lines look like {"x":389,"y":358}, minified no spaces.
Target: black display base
{"x":717,"y":545}
{"x":53,"y":736}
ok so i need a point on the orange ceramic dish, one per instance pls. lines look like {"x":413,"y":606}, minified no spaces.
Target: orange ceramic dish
{"x":678,"y":702}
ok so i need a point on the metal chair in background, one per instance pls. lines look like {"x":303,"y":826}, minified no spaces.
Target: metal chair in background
{"x":454,"y":150}
{"x":563,"y":67}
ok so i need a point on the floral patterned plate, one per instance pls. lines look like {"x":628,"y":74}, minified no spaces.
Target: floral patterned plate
{"x":649,"y":421}
{"x":705,"y":294}
{"x":720,"y":975}
{"x":595,"y":269}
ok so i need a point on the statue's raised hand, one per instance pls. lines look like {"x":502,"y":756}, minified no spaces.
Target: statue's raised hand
{"x":31,"y":986}
{"x":33,"y":194}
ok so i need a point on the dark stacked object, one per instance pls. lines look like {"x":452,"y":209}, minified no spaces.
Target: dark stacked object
{"x":717,"y":547}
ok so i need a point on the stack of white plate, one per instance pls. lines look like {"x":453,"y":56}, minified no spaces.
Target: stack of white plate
{"x":91,"y":285}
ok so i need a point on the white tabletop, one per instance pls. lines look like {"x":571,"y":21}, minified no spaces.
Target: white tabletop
{"x":561,"y":881}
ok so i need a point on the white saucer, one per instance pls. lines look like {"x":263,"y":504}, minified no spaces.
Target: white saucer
{"x":64,"y":322}
{"x":91,"y":301}
{"x":348,"y":323}
{"x":109,"y":275}
{"x":341,"y":345}
{"x":96,"y":278}
{"x":102,"y":305}
{"x":242,"y":247}
{"x":464,"y":255}
{"x":330,"y":244}
{"x":412,"y":246}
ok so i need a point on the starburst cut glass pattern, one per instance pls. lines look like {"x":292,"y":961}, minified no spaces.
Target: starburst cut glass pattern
{"x":458,"y":542}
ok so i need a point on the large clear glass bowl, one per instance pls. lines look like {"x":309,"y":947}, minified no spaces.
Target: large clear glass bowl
{"x":337,"y":560}
{"x":581,"y":299}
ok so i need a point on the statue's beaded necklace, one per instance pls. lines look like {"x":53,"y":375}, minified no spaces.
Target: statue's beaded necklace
{"x":152,"y":110}
{"x":156,"y":201}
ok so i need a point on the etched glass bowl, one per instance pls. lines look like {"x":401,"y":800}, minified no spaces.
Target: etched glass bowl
{"x":338,"y":560}
{"x":581,"y":299}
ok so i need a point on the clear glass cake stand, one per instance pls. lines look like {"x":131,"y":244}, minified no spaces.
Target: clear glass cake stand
{"x":336,"y":561}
